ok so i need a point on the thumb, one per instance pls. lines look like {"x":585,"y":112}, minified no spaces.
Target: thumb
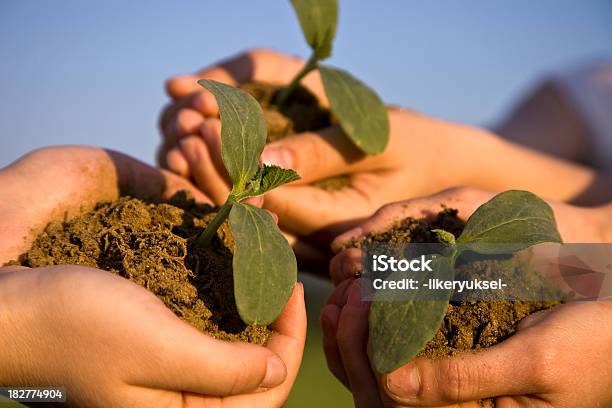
{"x":318,"y":155}
{"x":505,"y":369}
{"x":186,"y":360}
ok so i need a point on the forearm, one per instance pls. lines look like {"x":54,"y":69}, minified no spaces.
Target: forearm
{"x":502,"y":165}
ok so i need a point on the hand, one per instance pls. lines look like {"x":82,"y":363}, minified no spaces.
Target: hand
{"x":58,"y":182}
{"x":424,"y":155}
{"x":192,"y":148}
{"x":557,"y":358}
{"x":575,"y":224}
{"x":114,"y":344}
{"x":93,"y":331}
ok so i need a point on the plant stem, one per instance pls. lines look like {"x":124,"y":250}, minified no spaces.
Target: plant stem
{"x":211,"y":229}
{"x":310,"y":65}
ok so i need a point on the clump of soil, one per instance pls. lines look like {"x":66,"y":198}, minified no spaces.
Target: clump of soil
{"x":300,"y":113}
{"x":153,"y":245}
{"x":470,"y":324}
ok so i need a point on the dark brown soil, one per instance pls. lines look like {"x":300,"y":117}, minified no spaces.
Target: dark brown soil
{"x":301,"y":113}
{"x":469,"y":325}
{"x":153,"y":245}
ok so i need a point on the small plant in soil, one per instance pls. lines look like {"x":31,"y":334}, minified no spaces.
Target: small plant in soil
{"x":401,"y":330}
{"x":358,"y":109}
{"x":264,"y":264}
{"x":228,"y":272}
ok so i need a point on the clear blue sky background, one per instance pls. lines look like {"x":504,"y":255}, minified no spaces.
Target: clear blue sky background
{"x":91,"y":72}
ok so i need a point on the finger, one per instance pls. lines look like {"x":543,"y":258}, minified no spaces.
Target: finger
{"x":288,"y":341}
{"x":533,"y":319}
{"x":340,"y":294}
{"x":168,"y":124}
{"x":203,"y":170}
{"x":352,"y":338}
{"x":318,"y":155}
{"x":330,"y":315}
{"x":182,"y":358}
{"x":210,"y":130}
{"x":253,"y":65}
{"x":385,"y":218}
{"x":505,"y":369}
{"x":289,"y":335}
{"x":345,"y":265}
{"x":176,"y":162}
{"x":465,"y":200}
{"x":185,"y":122}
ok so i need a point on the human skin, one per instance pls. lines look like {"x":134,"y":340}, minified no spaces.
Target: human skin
{"x":424,"y":155}
{"x":558,"y":358}
{"x":109,"y":341}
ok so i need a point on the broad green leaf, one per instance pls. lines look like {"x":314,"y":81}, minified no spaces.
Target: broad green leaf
{"x":318,"y":19}
{"x":360,"y":112}
{"x":269,"y":177}
{"x":517,"y":218}
{"x":243,"y":131}
{"x":265,"y":269}
{"x":399,"y":329}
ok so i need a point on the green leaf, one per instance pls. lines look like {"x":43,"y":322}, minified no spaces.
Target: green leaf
{"x":318,"y":19}
{"x":360,"y":112}
{"x":265,"y":269}
{"x":402,"y":323}
{"x":243,"y":131}
{"x":269,"y":177}
{"x":517,"y":218}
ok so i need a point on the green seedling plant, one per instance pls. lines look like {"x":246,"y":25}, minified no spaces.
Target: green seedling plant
{"x":358,"y":109}
{"x":400,"y":329}
{"x":264,"y":265}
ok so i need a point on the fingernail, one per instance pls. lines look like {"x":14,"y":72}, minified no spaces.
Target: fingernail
{"x":275,"y":372}
{"x":404,"y":382}
{"x":346,"y":236}
{"x":278,"y":156}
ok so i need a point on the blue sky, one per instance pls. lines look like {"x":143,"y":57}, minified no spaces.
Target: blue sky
{"x":76,"y":71}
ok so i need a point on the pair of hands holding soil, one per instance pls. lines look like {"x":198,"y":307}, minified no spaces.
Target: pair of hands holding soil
{"x":554,"y":355}
{"x":109,"y":341}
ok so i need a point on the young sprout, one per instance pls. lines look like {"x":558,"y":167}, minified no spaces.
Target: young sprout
{"x":516,"y":219}
{"x":358,"y":109}
{"x":264,"y":265}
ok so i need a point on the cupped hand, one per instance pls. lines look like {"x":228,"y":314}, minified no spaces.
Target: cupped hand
{"x":557,"y":358}
{"x":424,"y":155}
{"x":111,"y":342}
{"x":575,"y":224}
{"x":60,"y":182}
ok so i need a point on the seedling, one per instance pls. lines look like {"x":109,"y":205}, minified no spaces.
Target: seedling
{"x":400,"y":329}
{"x":359,"y":111}
{"x":264,"y":265}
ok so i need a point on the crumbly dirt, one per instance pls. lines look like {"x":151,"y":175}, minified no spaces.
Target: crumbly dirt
{"x":153,"y":245}
{"x":468,"y":324}
{"x":301,"y":113}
